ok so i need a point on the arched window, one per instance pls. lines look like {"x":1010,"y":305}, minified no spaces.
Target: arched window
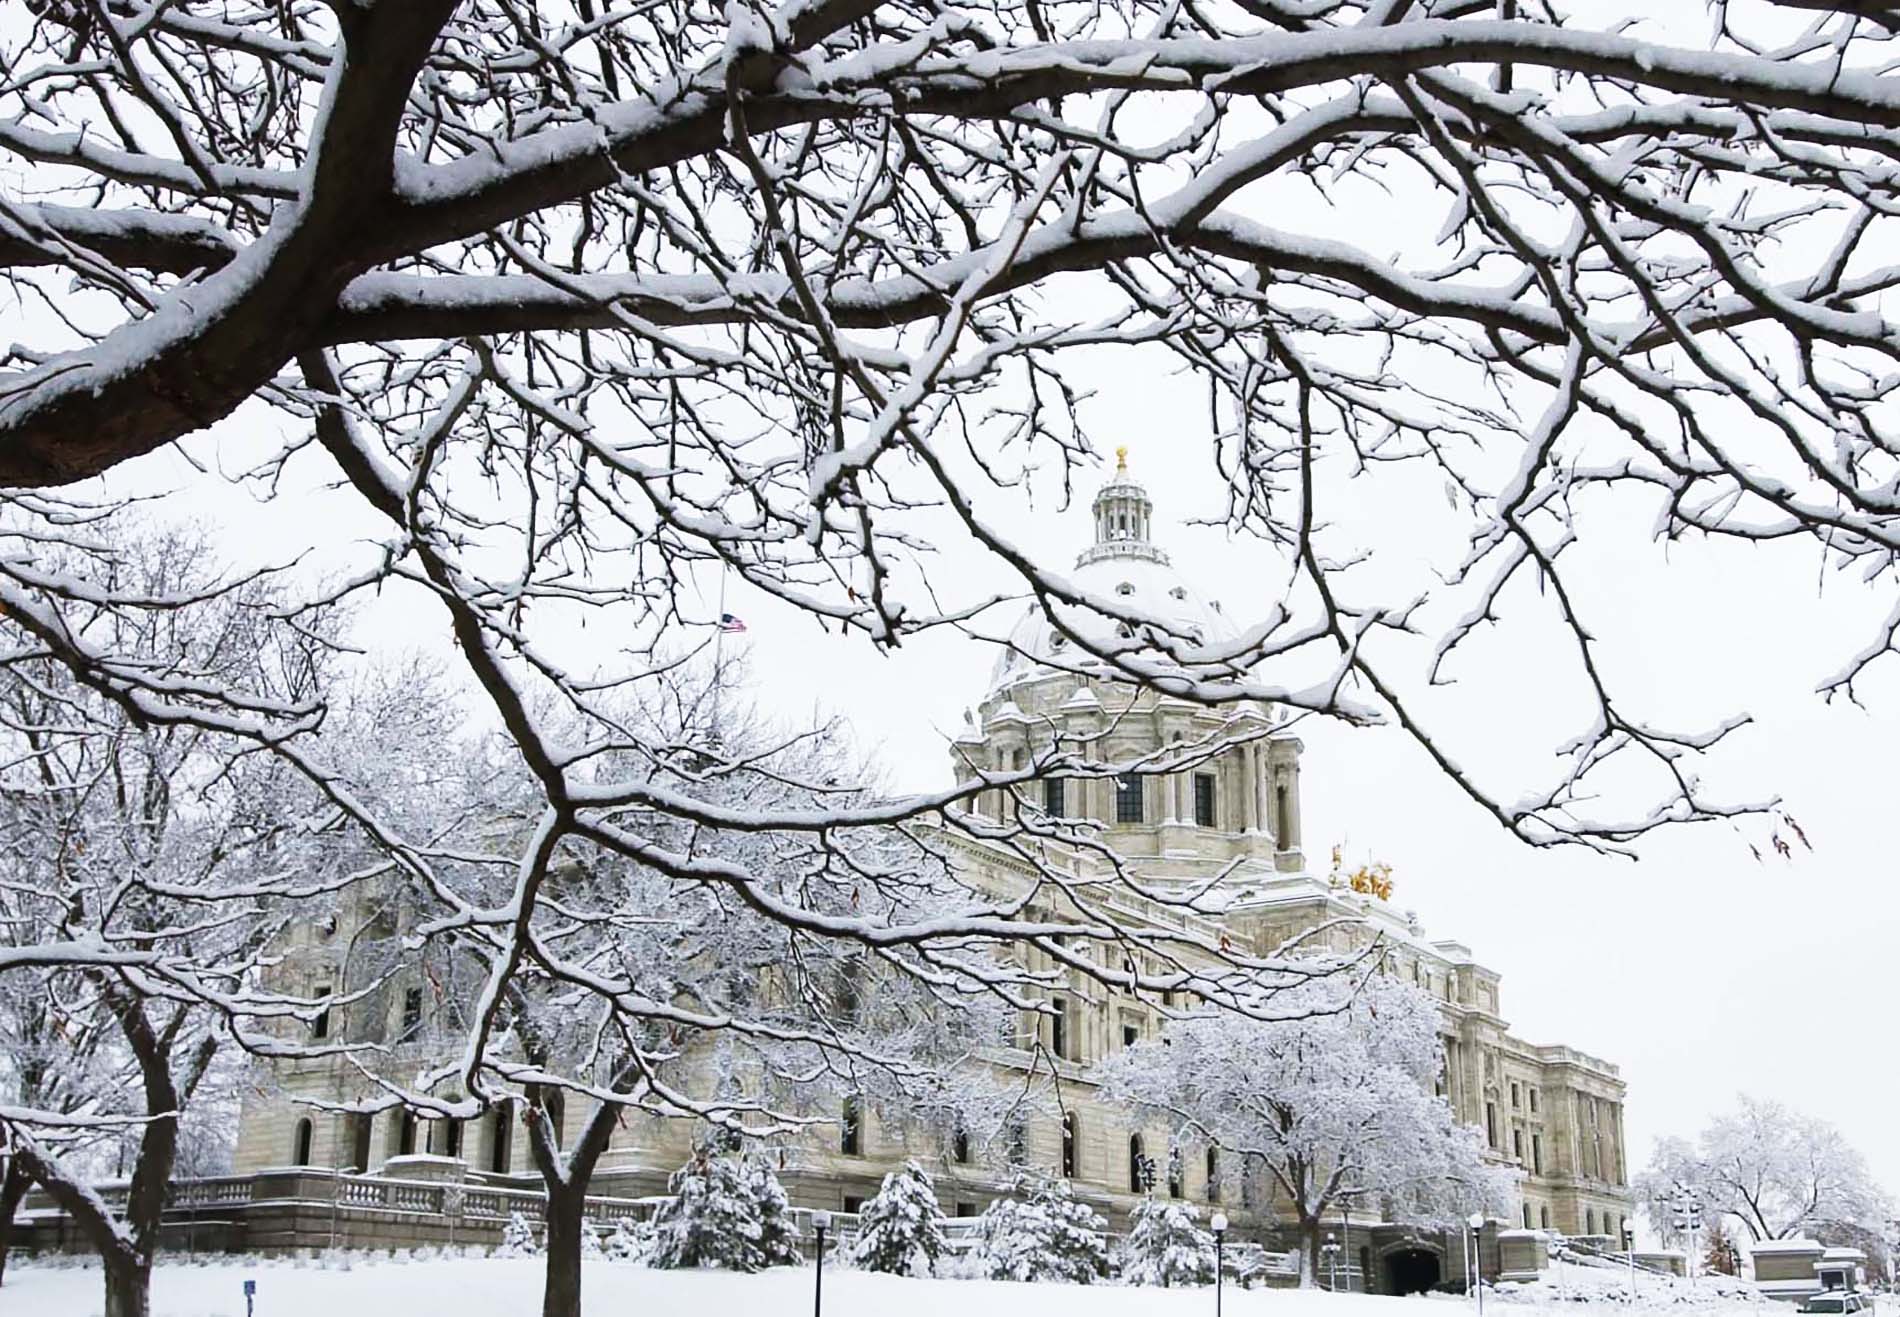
{"x":960,"y":1146}
{"x":850,"y":1128}
{"x":1527,"y":1216}
{"x":500,"y":1140}
{"x":1543,"y":1218}
{"x":1213,"y":1175}
{"x":1016,"y":1146}
{"x":1590,"y":1222}
{"x":1177,"y":1177}
{"x":1282,"y":815}
{"x":452,"y":1138}
{"x":406,"y":1133}
{"x":300,"y":1145}
{"x":359,"y":1140}
{"x":1069,"y":1143}
{"x":1138,"y":1172}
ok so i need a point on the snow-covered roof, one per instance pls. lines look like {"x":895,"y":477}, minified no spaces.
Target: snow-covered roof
{"x":1787,"y":1246}
{"x":1125,"y":570}
{"x":1152,"y":589}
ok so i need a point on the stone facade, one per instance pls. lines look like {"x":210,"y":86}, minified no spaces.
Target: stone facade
{"x":1228,"y":821}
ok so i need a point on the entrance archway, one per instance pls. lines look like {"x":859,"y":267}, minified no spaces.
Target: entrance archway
{"x":1411,"y":1271}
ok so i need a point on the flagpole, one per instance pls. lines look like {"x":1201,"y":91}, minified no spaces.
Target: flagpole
{"x":719,"y":652}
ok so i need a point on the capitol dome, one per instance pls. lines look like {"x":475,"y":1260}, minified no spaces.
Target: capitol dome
{"x":1127,"y":570}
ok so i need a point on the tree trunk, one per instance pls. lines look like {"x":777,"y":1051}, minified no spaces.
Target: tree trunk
{"x":1309,"y":1252}
{"x":13,"y":1188}
{"x":561,"y":1291}
{"x":128,"y":1283}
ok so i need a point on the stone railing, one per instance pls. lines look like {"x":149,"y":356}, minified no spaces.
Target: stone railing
{"x":305,"y":1206}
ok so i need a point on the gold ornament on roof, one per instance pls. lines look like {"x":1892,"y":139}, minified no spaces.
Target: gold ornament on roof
{"x":1121,"y":460}
{"x":1373,"y":879}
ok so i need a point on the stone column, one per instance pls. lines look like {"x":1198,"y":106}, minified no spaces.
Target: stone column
{"x":1261,"y":803}
{"x":1249,"y":801}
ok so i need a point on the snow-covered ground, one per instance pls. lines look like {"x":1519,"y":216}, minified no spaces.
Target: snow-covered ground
{"x":492,"y":1287}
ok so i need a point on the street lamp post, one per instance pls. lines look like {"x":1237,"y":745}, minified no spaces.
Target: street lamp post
{"x":1687,"y":1209}
{"x":1219,"y":1222}
{"x":1629,"y":1248}
{"x":1477,"y":1255}
{"x":1345,"y":1244}
{"x":1330,"y":1251}
{"x":820,"y":1222}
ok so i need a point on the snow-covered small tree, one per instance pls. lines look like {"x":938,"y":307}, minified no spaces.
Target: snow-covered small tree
{"x":777,"y":1246}
{"x":901,"y":1229}
{"x":1332,"y":1104}
{"x":590,"y":1240}
{"x":1042,"y":1234}
{"x":1165,"y":1246}
{"x":724,"y":1213}
{"x":517,"y":1238}
{"x":1720,"y":1255}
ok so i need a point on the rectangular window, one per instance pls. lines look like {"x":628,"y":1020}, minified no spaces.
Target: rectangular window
{"x":1204,"y":800}
{"x":851,"y":1204}
{"x":1130,"y":1035}
{"x":1516,"y":1096}
{"x":320,"y":1027}
{"x":1128,"y":798}
{"x":965,"y":1209}
{"x":1517,"y":1144}
{"x":1053,"y":799}
{"x":1491,"y":1124}
{"x":1533,"y":1102}
{"x":1537,"y":1154}
{"x":850,"y":1130}
{"x":411,"y":1015}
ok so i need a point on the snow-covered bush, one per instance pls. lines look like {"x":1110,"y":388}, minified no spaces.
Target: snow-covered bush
{"x":901,"y":1229}
{"x":629,"y":1242}
{"x":1166,"y":1247}
{"x":517,"y":1238}
{"x":1044,"y":1235}
{"x":590,"y":1239}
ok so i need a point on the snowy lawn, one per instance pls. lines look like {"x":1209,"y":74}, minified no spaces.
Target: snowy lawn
{"x":477,"y":1287}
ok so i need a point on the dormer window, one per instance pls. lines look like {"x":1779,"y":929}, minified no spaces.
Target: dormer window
{"x":1125,"y":588}
{"x":1179,"y":592}
{"x":1057,"y":641}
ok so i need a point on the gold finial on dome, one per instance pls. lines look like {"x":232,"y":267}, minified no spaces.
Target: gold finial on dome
{"x":1121,"y":460}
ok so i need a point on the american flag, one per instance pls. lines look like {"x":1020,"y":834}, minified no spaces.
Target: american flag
{"x":730,"y":624}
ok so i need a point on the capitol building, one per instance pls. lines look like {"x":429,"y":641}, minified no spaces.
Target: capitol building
{"x":1229,"y":823}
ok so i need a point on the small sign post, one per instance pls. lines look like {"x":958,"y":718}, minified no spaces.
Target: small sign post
{"x":250,"y":1294}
